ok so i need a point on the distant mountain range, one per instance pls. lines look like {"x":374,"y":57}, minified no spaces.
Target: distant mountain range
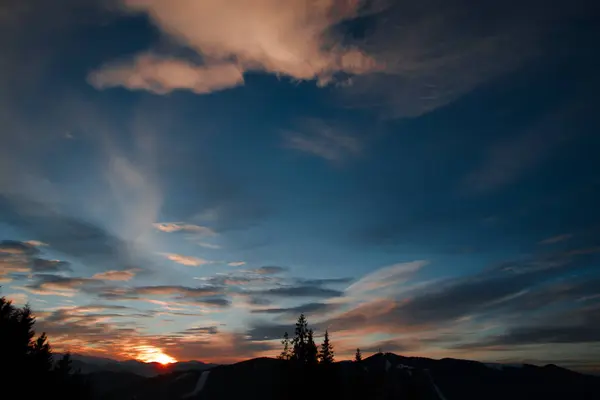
{"x":89,"y":364}
{"x":379,"y":377}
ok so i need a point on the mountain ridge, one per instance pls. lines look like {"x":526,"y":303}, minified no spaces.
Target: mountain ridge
{"x":380,"y":376}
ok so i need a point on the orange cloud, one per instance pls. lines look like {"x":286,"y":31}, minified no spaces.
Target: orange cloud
{"x":186,"y":260}
{"x":115,"y":275}
{"x":162,"y":75}
{"x":291,"y":38}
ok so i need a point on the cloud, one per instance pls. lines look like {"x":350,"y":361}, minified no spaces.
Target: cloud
{"x":170,"y":227}
{"x":162,"y":75}
{"x":511,"y":159}
{"x":36,"y":243}
{"x":237,"y":279}
{"x":14,"y":247}
{"x":580,"y":326}
{"x":297,"y":291}
{"x":115,"y":275}
{"x":42,"y":265}
{"x":76,"y":331}
{"x":310,"y":309}
{"x":434,"y":52}
{"x":497,"y":294}
{"x":205,"y":295}
{"x":55,"y":285}
{"x":21,"y":257}
{"x":202,"y":330}
{"x":294,"y":39}
{"x":67,"y":234}
{"x":269,"y":270}
{"x":323,"y":139}
{"x":236,"y":263}
{"x":386,"y":277}
{"x":181,"y":290}
{"x":209,"y":245}
{"x":186,"y":260}
{"x":325,"y":281}
{"x":268,"y":331}
{"x":556,"y":239}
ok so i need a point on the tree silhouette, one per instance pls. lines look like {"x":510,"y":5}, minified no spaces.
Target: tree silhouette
{"x":312,"y":353}
{"x":326,"y":352}
{"x":358,"y":356}
{"x":25,"y":357}
{"x":300,"y":341}
{"x":286,"y":353}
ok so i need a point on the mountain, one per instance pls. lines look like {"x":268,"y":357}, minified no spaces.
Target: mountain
{"x":90,"y":364}
{"x":381,"y":376}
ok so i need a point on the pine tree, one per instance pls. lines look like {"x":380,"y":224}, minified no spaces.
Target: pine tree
{"x":23,"y":355}
{"x":358,"y":356}
{"x":326,"y":352}
{"x":300,"y":341}
{"x":312,"y":353}
{"x":286,"y":352}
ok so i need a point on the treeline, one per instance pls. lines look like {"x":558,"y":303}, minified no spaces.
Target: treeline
{"x":303,"y":350}
{"x":27,"y":363}
{"x":309,"y":365}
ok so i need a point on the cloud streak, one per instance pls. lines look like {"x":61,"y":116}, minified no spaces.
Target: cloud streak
{"x":188,"y":261}
{"x":323,"y":139}
{"x":162,"y":75}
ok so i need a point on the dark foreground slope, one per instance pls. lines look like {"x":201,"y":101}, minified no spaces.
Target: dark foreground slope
{"x":383,"y":376}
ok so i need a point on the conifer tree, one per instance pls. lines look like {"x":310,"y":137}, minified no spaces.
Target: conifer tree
{"x":358,"y":356}
{"x":23,"y":355}
{"x":326,"y":352}
{"x":300,"y":341}
{"x":286,"y":352}
{"x":312,"y":353}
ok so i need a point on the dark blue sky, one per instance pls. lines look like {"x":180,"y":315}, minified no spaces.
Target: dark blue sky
{"x":185,"y":177}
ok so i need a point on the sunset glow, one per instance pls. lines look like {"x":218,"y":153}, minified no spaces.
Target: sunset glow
{"x":153,"y":354}
{"x":418,"y":177}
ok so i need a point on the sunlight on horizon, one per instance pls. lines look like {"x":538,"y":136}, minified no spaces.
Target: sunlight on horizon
{"x":150,"y":354}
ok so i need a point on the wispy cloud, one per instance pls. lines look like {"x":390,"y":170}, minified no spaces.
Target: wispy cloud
{"x":22,"y":257}
{"x":186,"y":260}
{"x":510,"y":159}
{"x":211,"y":296}
{"x":322,"y":139}
{"x":36,"y":243}
{"x":315,"y":291}
{"x":386,"y":277}
{"x":236,"y":263}
{"x":171,"y":227}
{"x":115,"y":275}
{"x":310,"y":309}
{"x":162,"y":75}
{"x":556,"y":239}
{"x":269,"y":270}
{"x":209,"y":245}
{"x":292,"y":39}
{"x":55,"y":285}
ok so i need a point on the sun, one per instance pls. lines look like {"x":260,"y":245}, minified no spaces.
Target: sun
{"x":151,"y":354}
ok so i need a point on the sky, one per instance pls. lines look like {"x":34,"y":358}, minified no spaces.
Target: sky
{"x":181,"y":179}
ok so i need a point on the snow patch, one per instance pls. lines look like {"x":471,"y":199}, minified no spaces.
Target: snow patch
{"x":199,"y":385}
